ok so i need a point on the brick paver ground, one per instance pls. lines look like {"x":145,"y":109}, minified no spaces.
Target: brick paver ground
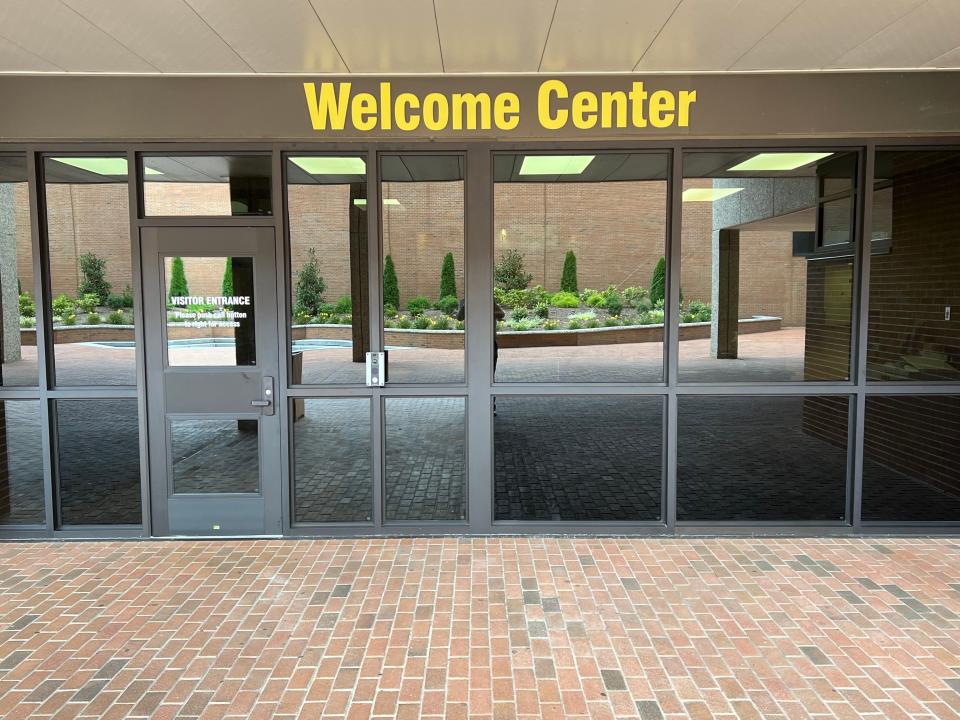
{"x":482,"y":628}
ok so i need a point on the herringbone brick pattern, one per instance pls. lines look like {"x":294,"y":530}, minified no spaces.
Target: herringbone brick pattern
{"x":482,"y":628}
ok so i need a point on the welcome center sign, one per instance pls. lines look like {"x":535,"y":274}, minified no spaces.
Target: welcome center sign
{"x":338,"y":106}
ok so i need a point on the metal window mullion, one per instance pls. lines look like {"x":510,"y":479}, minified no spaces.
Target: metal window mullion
{"x":672,"y":329}
{"x":37,"y":239}
{"x":862,"y":326}
{"x":375,"y":328}
{"x":479,"y":335}
{"x":281,"y":244}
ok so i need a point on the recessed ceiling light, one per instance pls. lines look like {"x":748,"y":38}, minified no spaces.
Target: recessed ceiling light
{"x":113,"y":166}
{"x":326,"y":165}
{"x":555,"y":164}
{"x":361,"y":202}
{"x":779,"y":161}
{"x":707,"y":194}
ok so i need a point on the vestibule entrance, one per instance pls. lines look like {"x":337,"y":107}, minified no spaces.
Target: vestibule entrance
{"x":212,"y":362}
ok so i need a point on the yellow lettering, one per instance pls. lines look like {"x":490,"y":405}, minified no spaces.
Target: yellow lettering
{"x":328,"y":106}
{"x":470,"y":106}
{"x":436,"y":112}
{"x":407,"y":102}
{"x":506,"y":111}
{"x":548,"y":90}
{"x":637,"y":98}
{"x":584,"y":110}
{"x":661,"y":109}
{"x":687,"y":98}
{"x":610,"y":102}
{"x":386,"y":107}
{"x":363,"y":111}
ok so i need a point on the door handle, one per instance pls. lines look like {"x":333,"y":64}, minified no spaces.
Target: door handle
{"x":266,"y":401}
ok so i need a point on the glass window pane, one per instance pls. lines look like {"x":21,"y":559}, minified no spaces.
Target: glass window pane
{"x":210,"y":311}
{"x":327,"y":209}
{"x":914,"y":330}
{"x":88,"y":237}
{"x":911,"y":455}
{"x":214,"y":455}
{"x":422,"y":219}
{"x":760,"y":301}
{"x":332,"y":468}
{"x":762,"y":458}
{"x":579,"y":272}
{"x":578,"y":458}
{"x":18,"y":363}
{"x":207,"y":185}
{"x":98,"y":450}
{"x":425,"y":464}
{"x":21,"y":463}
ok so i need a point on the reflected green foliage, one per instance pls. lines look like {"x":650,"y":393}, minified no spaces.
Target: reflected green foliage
{"x":391,"y":288}
{"x":310,"y":286}
{"x":658,"y":282}
{"x":508,"y":273}
{"x":93,"y":270}
{"x":448,"y":277}
{"x":568,"y":281}
{"x":178,"y":279}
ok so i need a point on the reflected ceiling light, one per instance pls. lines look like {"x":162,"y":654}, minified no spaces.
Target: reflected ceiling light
{"x":325,"y":165}
{"x":555,"y":164}
{"x":362,"y":202}
{"x":707,"y":194}
{"x":779,"y":161}
{"x":151,"y":171}
{"x":98,"y":165}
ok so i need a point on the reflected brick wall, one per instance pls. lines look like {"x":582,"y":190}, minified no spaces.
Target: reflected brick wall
{"x":616,"y":229}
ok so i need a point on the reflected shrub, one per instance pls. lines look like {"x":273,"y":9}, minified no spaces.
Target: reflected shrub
{"x":62,"y":305}
{"x":564,"y":299}
{"x":418,"y":305}
{"x":404,"y":322}
{"x":390,"y":310}
{"x":93,"y":318}
{"x":542,"y":310}
{"x":448,"y":304}
{"x":28,"y":308}
{"x":443,"y":323}
{"x":344,"y":305}
{"x":518,"y":313}
{"x":422,"y":322}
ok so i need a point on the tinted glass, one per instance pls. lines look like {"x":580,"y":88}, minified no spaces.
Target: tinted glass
{"x":914,"y":330}
{"x":18,"y":364}
{"x":98,"y":448}
{"x":207,"y":185}
{"x":329,"y":283}
{"x":910,"y":458}
{"x":422,"y":220}
{"x":762,"y":458}
{"x":333,"y":472}
{"x":21,"y":463}
{"x":214,"y":455}
{"x":767,"y":266}
{"x":88,"y":236}
{"x":425,"y":463}
{"x":210,"y":311}
{"x":578,"y":458}
{"x":579,"y":268}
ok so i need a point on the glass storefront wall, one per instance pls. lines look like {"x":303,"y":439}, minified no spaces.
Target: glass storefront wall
{"x":712,"y":348}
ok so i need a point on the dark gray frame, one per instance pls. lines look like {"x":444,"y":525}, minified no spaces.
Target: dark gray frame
{"x":479,"y":388}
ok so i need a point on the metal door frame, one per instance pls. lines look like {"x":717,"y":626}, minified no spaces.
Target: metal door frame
{"x":259,"y":243}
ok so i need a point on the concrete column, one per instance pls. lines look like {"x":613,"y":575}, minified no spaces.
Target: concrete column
{"x":8,"y":275}
{"x":726,"y":294}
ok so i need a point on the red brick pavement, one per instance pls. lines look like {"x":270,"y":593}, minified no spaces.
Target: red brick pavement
{"x":482,"y":628}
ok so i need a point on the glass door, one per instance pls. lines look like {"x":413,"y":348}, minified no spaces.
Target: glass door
{"x":212,"y":357}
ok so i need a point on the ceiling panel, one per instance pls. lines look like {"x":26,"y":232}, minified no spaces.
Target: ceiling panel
{"x":819,"y":31}
{"x":713,"y":34}
{"x":14,"y":58}
{"x":276,"y":36}
{"x":167,"y":33}
{"x":603,"y":36}
{"x":493,"y":35}
{"x":374,"y":36}
{"x":920,"y":36}
{"x":53,"y":31}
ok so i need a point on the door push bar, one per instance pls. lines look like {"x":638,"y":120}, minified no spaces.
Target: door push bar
{"x":267,"y":398}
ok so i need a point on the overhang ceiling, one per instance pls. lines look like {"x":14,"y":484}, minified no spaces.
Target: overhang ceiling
{"x":475,"y":36}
